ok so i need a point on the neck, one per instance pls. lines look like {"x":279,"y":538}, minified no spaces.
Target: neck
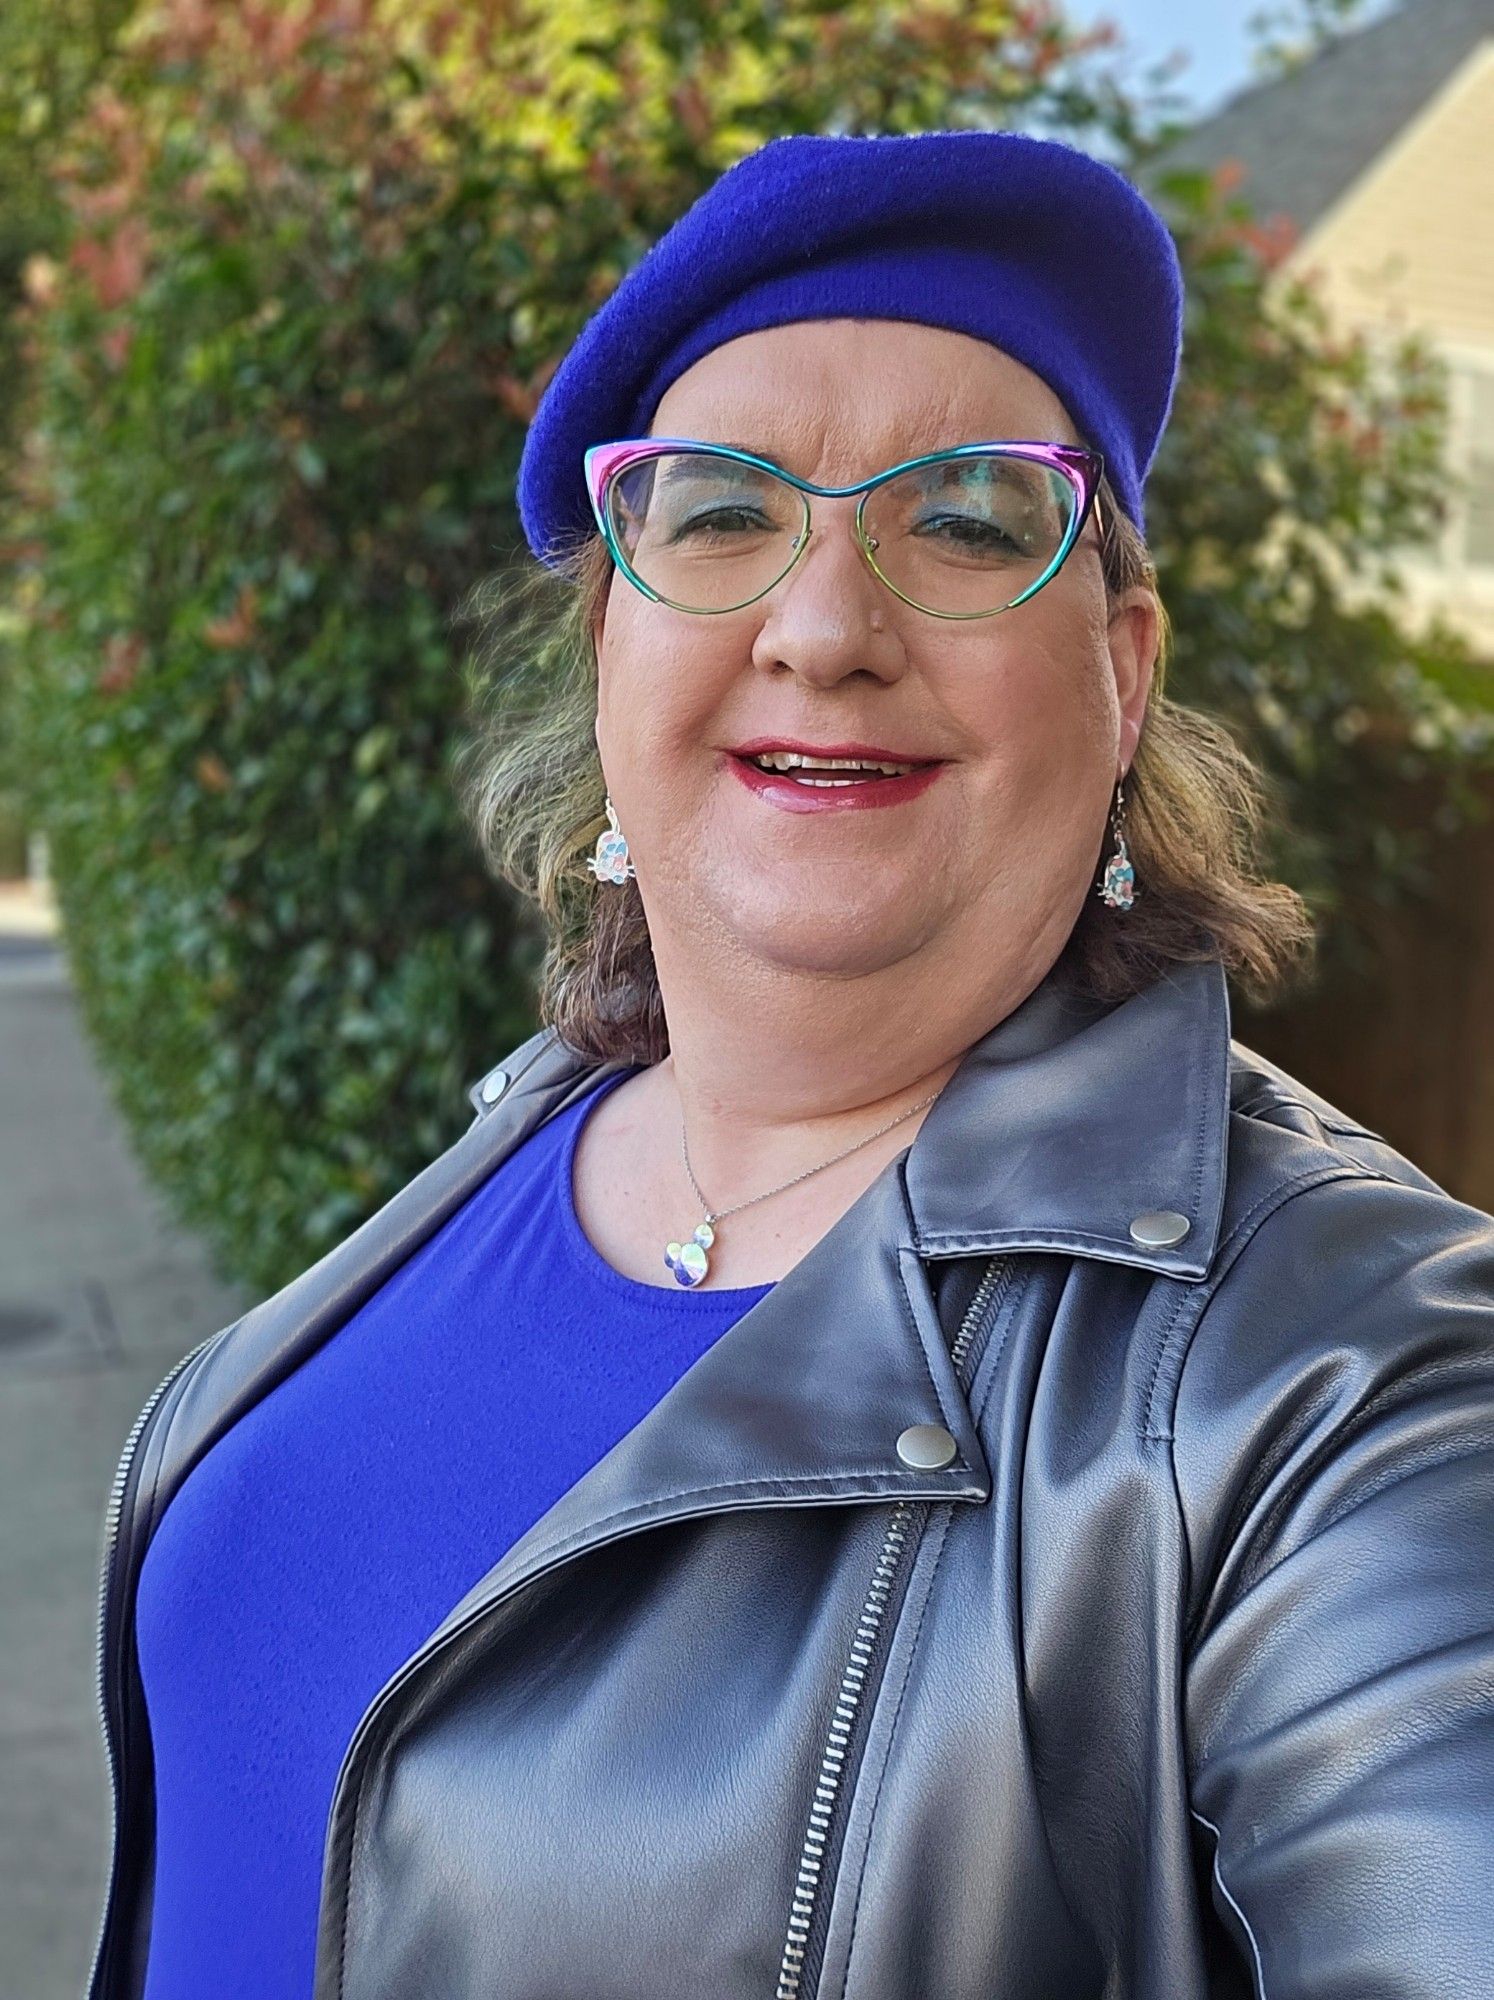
{"x":775,"y":1071}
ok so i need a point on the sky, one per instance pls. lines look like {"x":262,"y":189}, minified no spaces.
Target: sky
{"x":1215,"y":36}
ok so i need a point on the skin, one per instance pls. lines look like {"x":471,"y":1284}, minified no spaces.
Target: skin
{"x":822,"y":972}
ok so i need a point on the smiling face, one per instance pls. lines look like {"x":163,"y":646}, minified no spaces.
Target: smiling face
{"x":975,"y":876}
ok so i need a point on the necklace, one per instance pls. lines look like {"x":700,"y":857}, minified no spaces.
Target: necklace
{"x":689,"y":1261}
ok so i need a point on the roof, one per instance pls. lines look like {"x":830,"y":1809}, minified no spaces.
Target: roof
{"x":1304,"y":138}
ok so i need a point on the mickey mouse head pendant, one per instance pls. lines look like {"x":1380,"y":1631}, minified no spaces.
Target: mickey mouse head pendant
{"x":688,"y":1260}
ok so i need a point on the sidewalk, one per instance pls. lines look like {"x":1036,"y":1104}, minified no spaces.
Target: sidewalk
{"x":99,"y":1294}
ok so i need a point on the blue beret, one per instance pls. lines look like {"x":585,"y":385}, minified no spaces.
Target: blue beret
{"x":1028,"y":243}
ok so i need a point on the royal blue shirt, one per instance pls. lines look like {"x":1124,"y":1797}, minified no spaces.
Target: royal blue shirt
{"x":333,"y":1526}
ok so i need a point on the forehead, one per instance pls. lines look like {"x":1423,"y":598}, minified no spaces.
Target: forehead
{"x":858,"y":392}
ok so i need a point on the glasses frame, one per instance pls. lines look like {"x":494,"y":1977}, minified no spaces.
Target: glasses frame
{"x":1080,"y":465}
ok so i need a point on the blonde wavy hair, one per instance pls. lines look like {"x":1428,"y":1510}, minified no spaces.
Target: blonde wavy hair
{"x":530,"y":785}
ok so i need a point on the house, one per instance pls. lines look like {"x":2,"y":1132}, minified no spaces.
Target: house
{"x":1378,"y":152}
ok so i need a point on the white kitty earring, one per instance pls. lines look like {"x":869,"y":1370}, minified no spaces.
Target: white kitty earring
{"x":1118,"y":890}
{"x":610,"y":863}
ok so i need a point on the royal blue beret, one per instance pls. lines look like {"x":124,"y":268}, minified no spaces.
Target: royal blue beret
{"x":1029,"y":243}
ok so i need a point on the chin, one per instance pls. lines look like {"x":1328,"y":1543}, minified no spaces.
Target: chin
{"x":833,"y":934}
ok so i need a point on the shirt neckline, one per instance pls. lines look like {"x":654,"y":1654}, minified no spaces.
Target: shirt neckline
{"x":639,"y":1293}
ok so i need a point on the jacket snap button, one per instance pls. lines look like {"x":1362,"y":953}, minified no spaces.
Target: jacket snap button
{"x":494,"y":1086}
{"x":1159,"y":1227}
{"x":926,"y":1445}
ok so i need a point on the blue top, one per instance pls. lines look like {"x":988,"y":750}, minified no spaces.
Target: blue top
{"x":330,"y":1529}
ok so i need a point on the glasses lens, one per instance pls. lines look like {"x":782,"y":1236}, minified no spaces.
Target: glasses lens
{"x":703,"y":530}
{"x":970,"y":535}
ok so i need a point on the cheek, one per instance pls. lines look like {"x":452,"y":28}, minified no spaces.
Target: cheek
{"x":1044,"y":704}
{"x":659,"y":693}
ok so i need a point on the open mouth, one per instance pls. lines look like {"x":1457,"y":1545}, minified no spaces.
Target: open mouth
{"x":800,"y":783}
{"x":826,"y":773}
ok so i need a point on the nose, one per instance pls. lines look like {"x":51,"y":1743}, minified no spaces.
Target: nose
{"x":826,"y":617}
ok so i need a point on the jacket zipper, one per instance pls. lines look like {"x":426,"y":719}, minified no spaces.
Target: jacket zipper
{"x":809,"y":1916}
{"x":112,"y":1516}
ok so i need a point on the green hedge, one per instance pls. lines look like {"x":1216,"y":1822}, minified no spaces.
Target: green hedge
{"x":274,"y":460}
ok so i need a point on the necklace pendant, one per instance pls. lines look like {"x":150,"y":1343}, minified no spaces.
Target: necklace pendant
{"x":688,"y":1261}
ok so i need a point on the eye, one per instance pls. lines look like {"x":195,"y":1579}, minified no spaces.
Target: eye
{"x":719,"y":520}
{"x":969,"y":531}
{"x":967,"y":538}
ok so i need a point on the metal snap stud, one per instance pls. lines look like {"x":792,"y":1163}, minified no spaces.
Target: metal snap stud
{"x":1159,"y":1227}
{"x":928,"y":1446}
{"x":494,"y":1085}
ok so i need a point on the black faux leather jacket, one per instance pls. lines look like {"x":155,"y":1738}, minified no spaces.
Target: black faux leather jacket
{"x":1073,"y":1581}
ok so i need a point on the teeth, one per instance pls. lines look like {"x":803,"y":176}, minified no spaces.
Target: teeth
{"x":789,"y":760}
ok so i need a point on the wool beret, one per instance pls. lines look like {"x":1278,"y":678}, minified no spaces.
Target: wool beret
{"x":1029,"y":243}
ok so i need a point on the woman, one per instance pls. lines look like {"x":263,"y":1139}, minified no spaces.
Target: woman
{"x":894,"y":1459}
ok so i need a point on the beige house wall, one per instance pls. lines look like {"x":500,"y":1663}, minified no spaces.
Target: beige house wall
{"x":1411,"y":246}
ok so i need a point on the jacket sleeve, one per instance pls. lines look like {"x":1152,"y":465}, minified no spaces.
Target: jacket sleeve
{"x":1334,"y":1449}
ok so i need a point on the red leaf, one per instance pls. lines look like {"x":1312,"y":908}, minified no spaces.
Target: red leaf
{"x":212,"y":773}
{"x":122,"y":656}
{"x":241,"y":624}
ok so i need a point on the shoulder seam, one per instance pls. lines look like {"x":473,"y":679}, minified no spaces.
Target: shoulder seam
{"x":544,"y":1039}
{"x":1276,"y":1198}
{"x":1276,"y":1097}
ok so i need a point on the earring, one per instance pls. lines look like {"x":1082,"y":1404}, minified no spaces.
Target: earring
{"x":1118,"y":889}
{"x":610,"y":863}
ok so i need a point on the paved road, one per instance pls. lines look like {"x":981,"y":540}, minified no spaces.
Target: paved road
{"x":99,"y":1294}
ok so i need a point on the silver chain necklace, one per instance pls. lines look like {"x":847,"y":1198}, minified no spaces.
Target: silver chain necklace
{"x":689,"y":1261}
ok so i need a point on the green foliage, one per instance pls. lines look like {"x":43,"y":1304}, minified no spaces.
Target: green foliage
{"x":270,"y":456}
{"x":50,"y":53}
{"x":320,"y":262}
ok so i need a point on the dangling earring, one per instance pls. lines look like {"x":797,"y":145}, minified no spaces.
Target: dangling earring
{"x":610,"y":863}
{"x":1118,"y":889}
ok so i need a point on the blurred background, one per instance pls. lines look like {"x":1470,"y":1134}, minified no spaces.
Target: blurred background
{"x":280,"y":287}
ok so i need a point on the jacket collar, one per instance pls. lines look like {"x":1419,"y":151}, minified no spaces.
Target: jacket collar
{"x":1070,"y":1120}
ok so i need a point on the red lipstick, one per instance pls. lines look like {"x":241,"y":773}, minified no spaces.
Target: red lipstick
{"x":792,"y":794}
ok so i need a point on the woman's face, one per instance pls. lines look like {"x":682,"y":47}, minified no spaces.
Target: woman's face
{"x":1033,"y":713}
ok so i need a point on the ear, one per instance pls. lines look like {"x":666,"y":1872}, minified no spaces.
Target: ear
{"x":1134,"y":634}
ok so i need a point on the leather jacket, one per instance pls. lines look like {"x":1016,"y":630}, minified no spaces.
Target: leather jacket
{"x":1074,"y":1580}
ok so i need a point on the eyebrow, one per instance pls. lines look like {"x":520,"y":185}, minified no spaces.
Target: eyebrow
{"x":730,"y":444}
{"x":685,"y":468}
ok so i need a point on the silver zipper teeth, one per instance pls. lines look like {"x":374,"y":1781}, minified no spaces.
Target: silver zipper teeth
{"x":848,"y":1700}
{"x":111,"y":1533}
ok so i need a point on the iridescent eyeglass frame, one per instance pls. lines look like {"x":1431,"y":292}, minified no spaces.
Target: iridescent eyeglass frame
{"x":1078,"y":464}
